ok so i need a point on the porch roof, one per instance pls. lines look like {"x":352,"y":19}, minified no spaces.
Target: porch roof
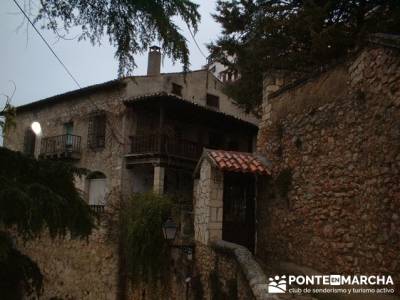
{"x":175,"y":100}
{"x":233,"y":161}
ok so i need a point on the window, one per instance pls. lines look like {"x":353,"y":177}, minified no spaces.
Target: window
{"x":97,"y":131}
{"x":68,"y":129}
{"x":29,"y":142}
{"x":212,"y":101}
{"x":176,"y":89}
{"x":97,"y":190}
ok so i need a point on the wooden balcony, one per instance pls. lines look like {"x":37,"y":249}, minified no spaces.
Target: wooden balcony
{"x":66,"y":146}
{"x":147,"y":147}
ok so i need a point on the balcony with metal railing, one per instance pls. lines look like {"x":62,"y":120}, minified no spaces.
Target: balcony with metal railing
{"x":66,"y":146}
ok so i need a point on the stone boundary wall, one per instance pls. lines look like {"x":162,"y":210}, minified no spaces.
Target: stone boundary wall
{"x":236,"y":270}
{"x":74,"y":268}
{"x":339,"y":135}
{"x":250,"y":269}
{"x":219,"y":275}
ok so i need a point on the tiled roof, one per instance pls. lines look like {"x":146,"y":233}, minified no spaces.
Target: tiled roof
{"x":116,"y":83}
{"x":242,"y":162}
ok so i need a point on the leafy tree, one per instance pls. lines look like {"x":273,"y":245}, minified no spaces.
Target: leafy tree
{"x":294,"y":36}
{"x":7,"y":114}
{"x":35,"y":195}
{"x":131,"y":25}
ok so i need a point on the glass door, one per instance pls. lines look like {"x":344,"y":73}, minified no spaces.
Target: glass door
{"x":68,"y":129}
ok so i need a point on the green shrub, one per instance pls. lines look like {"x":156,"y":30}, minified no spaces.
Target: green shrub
{"x":145,"y":249}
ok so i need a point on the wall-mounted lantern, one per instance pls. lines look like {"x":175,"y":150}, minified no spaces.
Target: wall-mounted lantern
{"x":169,"y":229}
{"x":36,"y":128}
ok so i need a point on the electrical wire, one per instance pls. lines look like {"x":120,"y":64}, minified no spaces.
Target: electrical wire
{"x":47,"y":44}
{"x":97,"y":108}
{"x":194,"y":39}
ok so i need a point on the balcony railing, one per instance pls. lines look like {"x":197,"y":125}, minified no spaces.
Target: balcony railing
{"x":97,"y":208}
{"x":165,"y":145}
{"x":66,"y":145}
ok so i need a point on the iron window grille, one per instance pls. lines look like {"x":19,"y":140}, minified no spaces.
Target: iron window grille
{"x":97,"y":131}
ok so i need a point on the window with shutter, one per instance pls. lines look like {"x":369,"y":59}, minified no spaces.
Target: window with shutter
{"x":97,"y":131}
{"x":97,"y":191}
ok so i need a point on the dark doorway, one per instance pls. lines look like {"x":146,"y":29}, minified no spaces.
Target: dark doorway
{"x":238,"y":220}
{"x":29,"y":142}
{"x":215,"y":140}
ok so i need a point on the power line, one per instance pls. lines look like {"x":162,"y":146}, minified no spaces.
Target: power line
{"x":63,"y":65}
{"x":194,"y":39}
{"x":47,"y":44}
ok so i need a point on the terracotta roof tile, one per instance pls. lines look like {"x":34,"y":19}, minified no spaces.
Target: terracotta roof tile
{"x":237,"y":162}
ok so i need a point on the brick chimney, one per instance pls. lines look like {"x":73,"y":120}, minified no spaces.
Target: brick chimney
{"x":154,"y":62}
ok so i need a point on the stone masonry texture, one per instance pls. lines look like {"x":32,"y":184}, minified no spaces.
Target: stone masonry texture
{"x":339,"y":134}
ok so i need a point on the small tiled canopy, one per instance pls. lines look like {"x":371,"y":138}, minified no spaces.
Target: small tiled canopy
{"x":232,"y":161}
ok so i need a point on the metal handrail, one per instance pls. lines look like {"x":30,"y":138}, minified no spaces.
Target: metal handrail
{"x":61,"y":143}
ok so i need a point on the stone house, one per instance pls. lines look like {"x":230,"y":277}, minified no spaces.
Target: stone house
{"x":133,"y":134}
{"x":138,"y":133}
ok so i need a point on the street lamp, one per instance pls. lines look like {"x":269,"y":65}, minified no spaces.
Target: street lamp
{"x":169,"y":229}
{"x":36,"y":128}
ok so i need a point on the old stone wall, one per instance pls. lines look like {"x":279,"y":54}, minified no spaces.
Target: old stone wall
{"x":78,"y":110}
{"x":338,"y":134}
{"x":195,"y":87}
{"x":220,"y":276}
{"x":76,"y":269}
{"x":208,"y":205}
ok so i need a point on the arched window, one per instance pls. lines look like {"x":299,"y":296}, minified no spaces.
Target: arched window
{"x":97,"y":190}
{"x":29,"y":142}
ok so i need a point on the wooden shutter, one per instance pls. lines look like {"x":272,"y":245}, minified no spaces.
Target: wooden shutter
{"x":97,"y":191}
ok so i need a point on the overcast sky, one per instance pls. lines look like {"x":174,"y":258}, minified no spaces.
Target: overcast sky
{"x":25,"y":60}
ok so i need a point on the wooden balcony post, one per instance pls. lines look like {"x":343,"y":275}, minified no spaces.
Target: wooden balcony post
{"x":162,"y":115}
{"x":159,"y":175}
